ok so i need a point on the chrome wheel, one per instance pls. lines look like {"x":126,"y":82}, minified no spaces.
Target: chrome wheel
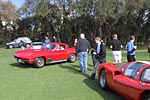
{"x":72,"y":58}
{"x":10,"y":46}
{"x":27,"y":45}
{"x":39,"y":62}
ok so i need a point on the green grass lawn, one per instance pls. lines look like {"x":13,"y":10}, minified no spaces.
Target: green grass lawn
{"x":53,"y":82}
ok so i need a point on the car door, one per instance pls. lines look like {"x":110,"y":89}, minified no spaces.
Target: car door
{"x":58,"y":54}
{"x":128,"y":83}
{"x":126,"y":86}
{"x":61,"y":52}
{"x":17,"y":42}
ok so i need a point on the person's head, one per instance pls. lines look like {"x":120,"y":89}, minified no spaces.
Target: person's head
{"x":75,"y":40}
{"x":82,"y":36}
{"x":132,"y":38}
{"x":46,"y":37}
{"x":115,"y":36}
{"x":97,"y":39}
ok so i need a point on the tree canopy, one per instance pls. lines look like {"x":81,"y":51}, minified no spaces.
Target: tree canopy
{"x":66,"y":19}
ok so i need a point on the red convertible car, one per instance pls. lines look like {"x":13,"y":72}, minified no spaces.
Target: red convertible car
{"x":131,"y":80}
{"x":50,"y":53}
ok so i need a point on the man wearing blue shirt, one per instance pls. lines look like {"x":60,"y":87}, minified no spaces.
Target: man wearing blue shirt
{"x":47,"y":40}
{"x":131,"y":49}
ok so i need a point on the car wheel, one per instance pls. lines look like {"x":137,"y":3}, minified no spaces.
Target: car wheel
{"x":147,"y":97}
{"x":39,"y":62}
{"x":10,"y":46}
{"x":103,"y":80}
{"x":27,"y":45}
{"x":72,"y":58}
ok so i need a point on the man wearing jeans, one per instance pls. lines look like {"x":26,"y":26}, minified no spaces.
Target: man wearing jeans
{"x":83,"y":47}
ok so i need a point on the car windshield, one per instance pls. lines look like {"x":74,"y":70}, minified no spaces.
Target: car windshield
{"x":37,"y":43}
{"x":133,"y":70}
{"x":146,"y":75}
{"x":49,"y":46}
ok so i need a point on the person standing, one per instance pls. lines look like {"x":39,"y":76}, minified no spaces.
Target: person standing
{"x":100,"y":55}
{"x":75,"y":42}
{"x":116,"y":46}
{"x":82,"y":48}
{"x":21,"y":45}
{"x":47,"y":40}
{"x":54,"y":39}
{"x":148,"y":50}
{"x":131,"y":49}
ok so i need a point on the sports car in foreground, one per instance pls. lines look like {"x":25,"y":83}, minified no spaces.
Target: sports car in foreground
{"x":50,"y":53}
{"x":131,"y":80}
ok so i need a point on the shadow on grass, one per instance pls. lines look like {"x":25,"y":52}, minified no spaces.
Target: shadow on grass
{"x":73,"y":69}
{"x":93,"y":84}
{"x":106,"y":95}
{"x":32,"y":66}
{"x":21,"y":65}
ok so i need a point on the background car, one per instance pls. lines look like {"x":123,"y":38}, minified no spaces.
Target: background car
{"x":50,"y":53}
{"x":36,"y":45}
{"x":15,"y":43}
{"x":131,"y":80}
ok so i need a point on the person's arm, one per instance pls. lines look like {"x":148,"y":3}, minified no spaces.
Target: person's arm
{"x":77,"y":46}
{"x":102,"y":53}
{"x":88,"y":45}
{"x":110,"y":45}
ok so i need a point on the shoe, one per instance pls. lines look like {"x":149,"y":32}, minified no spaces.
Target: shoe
{"x":79,"y":71}
{"x":92,"y":77}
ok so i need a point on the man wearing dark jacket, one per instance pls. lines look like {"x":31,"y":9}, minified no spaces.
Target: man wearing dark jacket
{"x":93,"y":49}
{"x":83,"y":47}
{"x":100,"y":54}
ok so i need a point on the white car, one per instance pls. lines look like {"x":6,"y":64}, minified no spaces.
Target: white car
{"x":36,"y":45}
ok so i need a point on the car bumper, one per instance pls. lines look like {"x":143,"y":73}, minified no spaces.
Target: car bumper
{"x":21,"y":60}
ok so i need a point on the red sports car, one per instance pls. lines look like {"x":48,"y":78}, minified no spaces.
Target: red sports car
{"x":50,"y":53}
{"x":131,"y":80}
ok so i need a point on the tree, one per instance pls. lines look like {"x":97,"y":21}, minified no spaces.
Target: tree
{"x":8,"y":16}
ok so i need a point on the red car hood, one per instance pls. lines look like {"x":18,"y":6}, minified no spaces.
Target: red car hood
{"x":29,"y":53}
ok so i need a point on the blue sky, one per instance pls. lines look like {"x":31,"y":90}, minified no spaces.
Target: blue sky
{"x":18,"y":3}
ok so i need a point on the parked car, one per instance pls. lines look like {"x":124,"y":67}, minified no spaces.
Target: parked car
{"x":50,"y":53}
{"x":131,"y":80}
{"x":15,"y":43}
{"x":36,"y":45}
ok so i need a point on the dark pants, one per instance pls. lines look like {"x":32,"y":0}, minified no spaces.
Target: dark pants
{"x":131,"y":58}
{"x":93,"y":59}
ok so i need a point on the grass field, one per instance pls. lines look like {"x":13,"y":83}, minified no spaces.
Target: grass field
{"x":53,"y":82}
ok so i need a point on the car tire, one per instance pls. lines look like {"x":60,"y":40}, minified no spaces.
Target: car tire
{"x":103,"y":80}
{"x":10,"y":46}
{"x":72,"y":58}
{"x":39,"y":62}
{"x":147,"y":97}
{"x":27,"y":45}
